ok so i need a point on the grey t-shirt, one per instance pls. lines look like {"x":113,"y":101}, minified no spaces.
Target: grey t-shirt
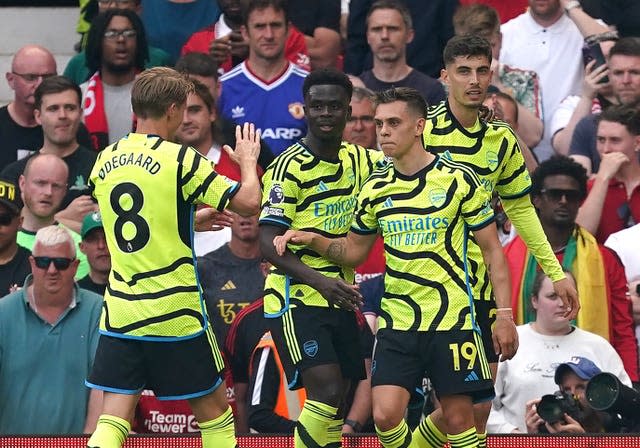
{"x":117,"y":107}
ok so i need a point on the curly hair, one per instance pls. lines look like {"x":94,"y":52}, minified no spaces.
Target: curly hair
{"x":559,"y":166}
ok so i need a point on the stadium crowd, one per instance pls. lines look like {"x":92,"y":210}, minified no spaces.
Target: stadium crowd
{"x":402,"y":192}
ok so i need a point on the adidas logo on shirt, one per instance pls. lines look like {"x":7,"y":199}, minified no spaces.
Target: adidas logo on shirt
{"x":228,"y":286}
{"x":388,"y":203}
{"x":322,"y":187}
{"x":237,"y":112}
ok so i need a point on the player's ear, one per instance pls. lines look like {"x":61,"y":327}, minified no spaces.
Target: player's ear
{"x":444,"y":76}
{"x":420,"y":123}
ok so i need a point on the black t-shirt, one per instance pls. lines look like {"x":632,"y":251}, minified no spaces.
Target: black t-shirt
{"x":19,"y":142}
{"x":307,"y":15}
{"x":88,"y":284}
{"x":15,"y":272}
{"x":80,"y":164}
{"x":430,"y":89}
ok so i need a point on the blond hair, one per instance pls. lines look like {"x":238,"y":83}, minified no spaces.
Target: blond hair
{"x":156,"y":89}
{"x":54,"y":235}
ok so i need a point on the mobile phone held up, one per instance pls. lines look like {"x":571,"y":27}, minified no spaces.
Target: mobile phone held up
{"x":592,"y":51}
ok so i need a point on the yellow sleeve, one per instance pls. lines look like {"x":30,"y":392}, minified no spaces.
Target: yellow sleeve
{"x":523,"y":216}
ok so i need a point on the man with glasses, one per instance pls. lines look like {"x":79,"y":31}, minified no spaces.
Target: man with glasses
{"x":14,"y":259}
{"x":77,"y":70}
{"x":558,"y":186}
{"x":58,"y":322}
{"x":43,"y":185}
{"x":116,"y":51}
{"x":20,"y":133}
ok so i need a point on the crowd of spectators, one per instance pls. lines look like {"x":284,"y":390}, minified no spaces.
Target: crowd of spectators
{"x":248,"y":60}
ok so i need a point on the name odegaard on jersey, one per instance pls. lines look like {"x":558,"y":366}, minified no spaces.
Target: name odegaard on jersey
{"x":124,"y":159}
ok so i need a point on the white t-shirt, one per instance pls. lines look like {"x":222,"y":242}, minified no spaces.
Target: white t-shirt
{"x":626,"y":243}
{"x":530,"y":373}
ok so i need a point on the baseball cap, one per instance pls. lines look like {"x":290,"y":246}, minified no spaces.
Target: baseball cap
{"x":583,"y":367}
{"x":92,"y":221}
{"x":9,"y":196}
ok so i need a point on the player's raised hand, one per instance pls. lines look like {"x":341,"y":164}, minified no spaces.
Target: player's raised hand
{"x":247,"y":147}
{"x":210,"y":220}
{"x":298,"y":237}
{"x":340,"y":293}
{"x":505,"y":335}
{"x":569,"y":296}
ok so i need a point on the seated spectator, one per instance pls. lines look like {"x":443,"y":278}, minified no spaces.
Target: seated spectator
{"x":224,"y":41}
{"x":626,"y":244}
{"x":169,"y":23}
{"x":558,"y":186}
{"x":522,"y":85}
{"x":266,"y":89}
{"x":94,"y":246}
{"x":44,"y":185}
{"x":319,"y":22}
{"x":544,"y":343}
{"x":14,"y":259}
{"x":360,"y":128}
{"x":389,"y":31}
{"x":20,"y":133}
{"x":572,"y":378}
{"x":51,"y":326}
{"x":613,"y":199}
{"x":624,"y":64}
{"x":77,"y":69}
{"x":424,"y":52}
{"x":58,"y":112}
{"x":116,"y":51}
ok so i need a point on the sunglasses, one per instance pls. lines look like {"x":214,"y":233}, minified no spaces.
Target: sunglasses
{"x":6,"y":219}
{"x":60,"y":263}
{"x":556,"y":194}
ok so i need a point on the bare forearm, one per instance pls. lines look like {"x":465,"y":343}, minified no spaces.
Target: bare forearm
{"x":561,"y":140}
{"x":587,"y":25}
{"x":323,"y":48}
{"x":246,"y":201}
{"x":591,"y":210}
{"x":529,"y":126}
{"x":529,"y":159}
{"x":499,"y":276}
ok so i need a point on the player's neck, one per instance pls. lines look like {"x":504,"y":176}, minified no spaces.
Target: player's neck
{"x":204,"y":145}
{"x":244,"y":249}
{"x":325,"y":149}
{"x":391,"y":71}
{"x":152,"y":126}
{"x":466,"y":116}
{"x":22,"y":114}
{"x":59,"y":150}
{"x":413,"y":160}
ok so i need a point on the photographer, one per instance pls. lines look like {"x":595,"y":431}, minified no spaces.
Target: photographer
{"x":572,"y":377}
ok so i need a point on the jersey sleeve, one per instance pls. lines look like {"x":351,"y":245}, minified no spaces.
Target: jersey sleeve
{"x":279,"y":195}
{"x":514,"y":179}
{"x":200,"y":183}
{"x":476,"y":206}
{"x":364,"y":221}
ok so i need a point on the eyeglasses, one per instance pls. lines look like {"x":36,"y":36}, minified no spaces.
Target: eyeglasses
{"x":556,"y":194}
{"x":33,"y":77}
{"x":364,"y":119}
{"x":60,"y":263}
{"x":6,"y":219}
{"x":115,"y":34}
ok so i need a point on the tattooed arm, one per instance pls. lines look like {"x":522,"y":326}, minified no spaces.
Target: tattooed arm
{"x":351,"y":250}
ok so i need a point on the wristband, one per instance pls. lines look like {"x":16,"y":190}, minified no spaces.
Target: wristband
{"x":503,"y":309}
{"x":357,"y":427}
{"x":572,"y":4}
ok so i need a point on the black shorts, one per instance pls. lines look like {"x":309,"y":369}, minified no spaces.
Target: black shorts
{"x":177,"y":370}
{"x":309,"y":336}
{"x":453,"y":360}
{"x":486,"y":317}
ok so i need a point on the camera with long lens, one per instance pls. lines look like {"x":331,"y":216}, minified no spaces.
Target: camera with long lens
{"x":606,"y":393}
{"x":552,"y":408}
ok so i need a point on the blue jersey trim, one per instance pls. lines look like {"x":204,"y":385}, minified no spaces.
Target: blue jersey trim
{"x":193,"y":395}
{"x":152,"y":338}
{"x":472,"y":311}
{"x":274,"y":221}
{"x":483,"y":224}
{"x":113,"y":389}
{"x":287,"y":284}
{"x":294,"y":381}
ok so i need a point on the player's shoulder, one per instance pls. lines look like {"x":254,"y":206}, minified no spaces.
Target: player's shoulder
{"x":459,"y":170}
{"x":500,"y":128}
{"x":437,"y":110}
{"x":381,"y":176}
{"x":288,"y":161}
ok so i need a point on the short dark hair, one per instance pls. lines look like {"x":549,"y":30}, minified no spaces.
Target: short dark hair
{"x":410,"y":96}
{"x":626,"y":115}
{"x":467,"y":45}
{"x":327,"y":76}
{"x":558,"y":166}
{"x":277,"y":5}
{"x":95,"y":38}
{"x":396,"y":5}
{"x":627,"y":46}
{"x":198,"y":64}
{"x":204,"y":93}
{"x":55,"y":84}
